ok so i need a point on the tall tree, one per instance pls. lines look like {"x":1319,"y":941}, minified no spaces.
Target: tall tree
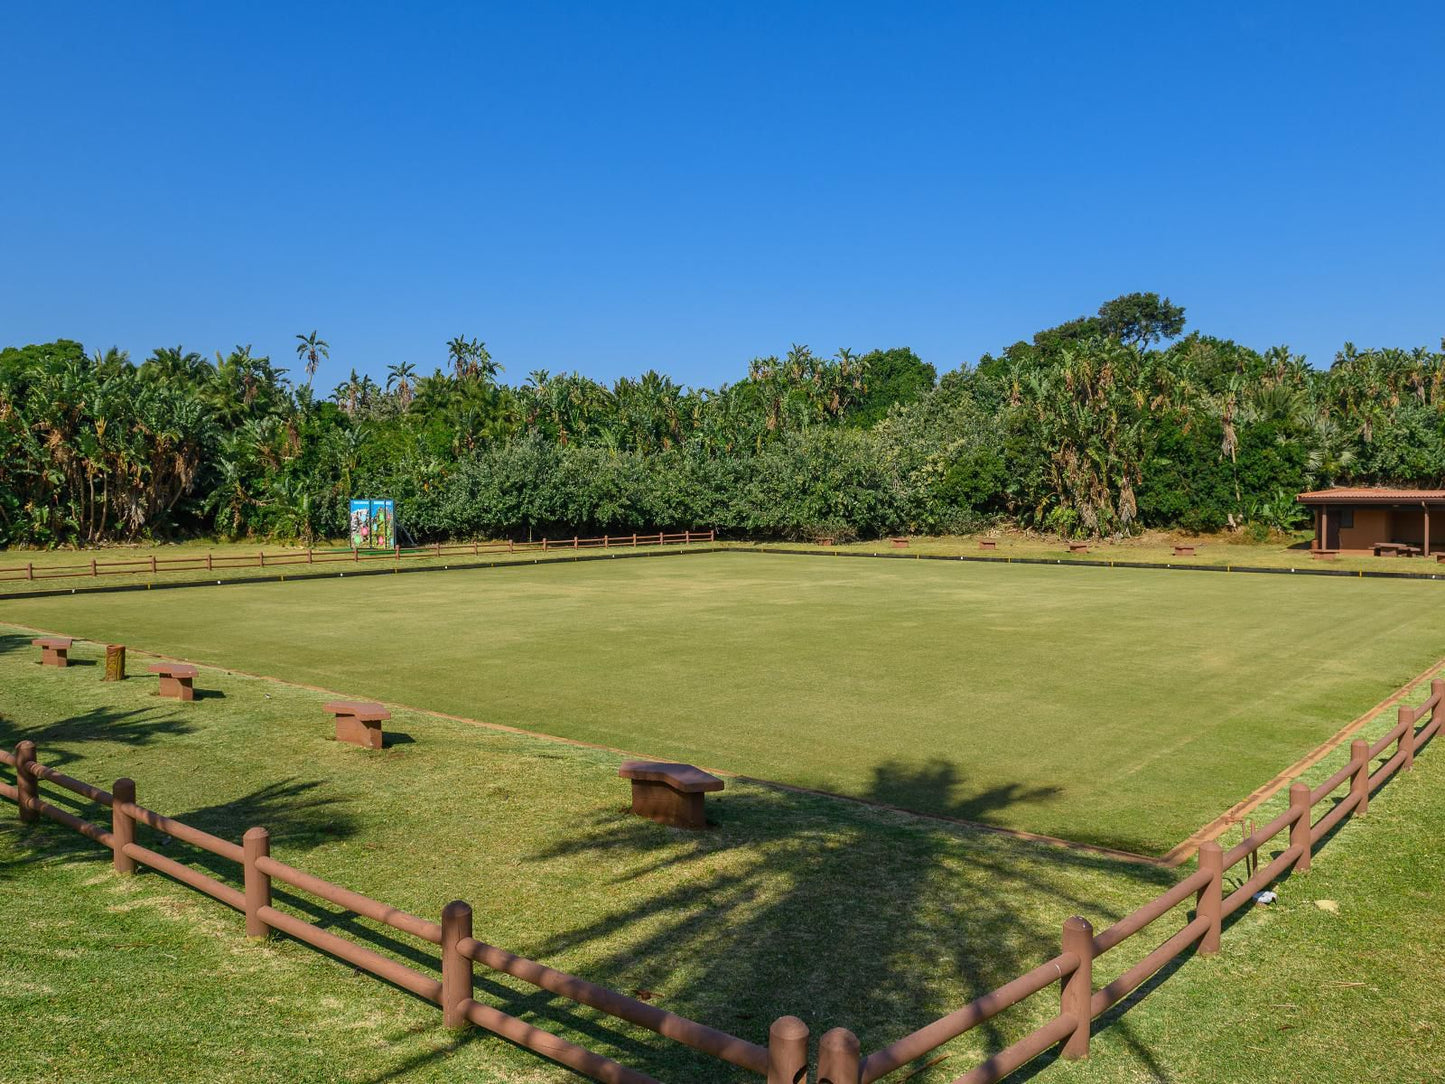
{"x":311,"y":350}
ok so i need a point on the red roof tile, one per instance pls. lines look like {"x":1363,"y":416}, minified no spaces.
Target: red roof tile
{"x":1371,"y":495}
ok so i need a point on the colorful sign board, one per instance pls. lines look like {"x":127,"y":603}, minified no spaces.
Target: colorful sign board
{"x":373,"y":525}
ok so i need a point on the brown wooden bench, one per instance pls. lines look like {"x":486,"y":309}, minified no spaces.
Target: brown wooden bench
{"x":1324,"y":555}
{"x":1183,"y":551}
{"x":177,"y":679}
{"x":988,"y":543}
{"x":358,"y":722}
{"x":1078,"y":547}
{"x":826,"y":541}
{"x":54,"y":650}
{"x":670,"y":794}
{"x":899,"y":543}
{"x":1396,"y":549}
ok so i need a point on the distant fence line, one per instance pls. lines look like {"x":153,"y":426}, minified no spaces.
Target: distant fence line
{"x":210,"y":562}
{"x":785,"y":1059}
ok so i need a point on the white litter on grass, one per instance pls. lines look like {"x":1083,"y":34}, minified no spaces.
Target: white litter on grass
{"x":1328,"y":905}
{"x":1265,"y":897}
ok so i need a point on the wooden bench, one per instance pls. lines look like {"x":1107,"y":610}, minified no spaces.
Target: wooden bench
{"x":1324,"y":555}
{"x":1183,"y":551}
{"x":826,"y":541}
{"x":54,"y":650}
{"x":988,"y":543}
{"x":1396,"y":549}
{"x":1078,"y":547}
{"x":670,"y":794}
{"x":177,"y":679}
{"x":358,"y":722}
{"x":899,"y":543}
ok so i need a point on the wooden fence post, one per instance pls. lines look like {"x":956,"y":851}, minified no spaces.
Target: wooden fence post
{"x":1299,"y":832}
{"x":93,"y":570}
{"x":26,"y":787}
{"x":256,"y":843}
{"x":208,"y":561}
{"x":115,"y":662}
{"x":456,"y":967}
{"x":840,"y":1058}
{"x":260,"y":558}
{"x":30,"y":570}
{"x":153,"y":564}
{"x":1209,"y":903}
{"x":634,"y":539}
{"x":787,"y":1051}
{"x":686,"y":537}
{"x":1076,"y":992}
{"x":1360,"y":784}
{"x":122,"y":824}
{"x":1406,"y":744}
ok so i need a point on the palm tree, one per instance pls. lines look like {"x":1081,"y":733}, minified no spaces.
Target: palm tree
{"x":311,"y":350}
{"x":174,"y":364}
{"x":401,"y":376}
{"x":471,"y":359}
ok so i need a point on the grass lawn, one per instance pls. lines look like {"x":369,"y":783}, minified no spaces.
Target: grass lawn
{"x":1111,"y":706}
{"x":1151,"y":547}
{"x":842,"y":914}
{"x":75,"y":563}
{"x":792,"y":904}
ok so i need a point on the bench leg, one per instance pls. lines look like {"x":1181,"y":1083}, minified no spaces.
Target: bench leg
{"x":185,"y":689}
{"x":659,"y":802}
{"x":352,"y":730}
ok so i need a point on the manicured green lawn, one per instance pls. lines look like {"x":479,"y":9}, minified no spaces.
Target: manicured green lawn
{"x":1112,"y":706}
{"x":842,"y":914}
{"x":792,"y":904}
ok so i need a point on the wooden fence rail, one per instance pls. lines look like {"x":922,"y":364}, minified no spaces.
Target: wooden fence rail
{"x":210,"y":562}
{"x":785,"y":1058}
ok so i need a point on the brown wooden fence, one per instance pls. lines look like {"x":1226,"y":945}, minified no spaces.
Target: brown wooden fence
{"x":785,"y":1058}
{"x":210,"y":562}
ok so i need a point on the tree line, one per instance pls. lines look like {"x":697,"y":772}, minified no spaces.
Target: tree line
{"x":1099,"y":426}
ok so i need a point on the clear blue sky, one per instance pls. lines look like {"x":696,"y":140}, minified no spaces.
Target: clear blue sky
{"x":612,"y":187}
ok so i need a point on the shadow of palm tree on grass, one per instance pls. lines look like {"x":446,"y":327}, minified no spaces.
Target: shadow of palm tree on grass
{"x":788,"y":908}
